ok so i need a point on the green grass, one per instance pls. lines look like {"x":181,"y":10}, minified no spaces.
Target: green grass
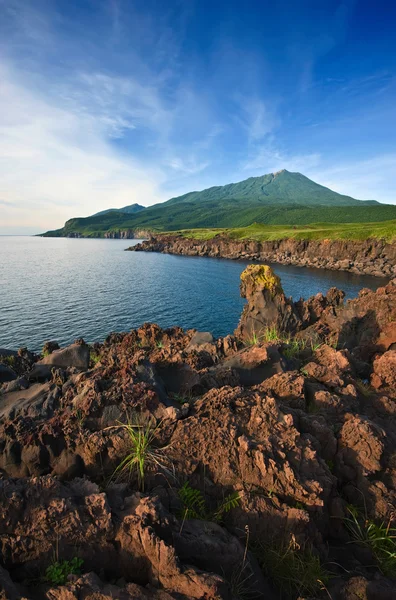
{"x":142,"y":453}
{"x":294,"y":570}
{"x":286,"y":200}
{"x":379,"y":538}
{"x":270,"y":334}
{"x":315,"y":231}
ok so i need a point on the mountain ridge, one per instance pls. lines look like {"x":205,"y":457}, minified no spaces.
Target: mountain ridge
{"x":274,"y":198}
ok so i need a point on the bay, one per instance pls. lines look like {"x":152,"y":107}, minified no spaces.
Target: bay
{"x":60,"y":289}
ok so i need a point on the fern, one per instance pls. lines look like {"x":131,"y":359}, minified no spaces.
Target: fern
{"x":231,"y":501}
{"x":194,"y":506}
{"x":193,"y":502}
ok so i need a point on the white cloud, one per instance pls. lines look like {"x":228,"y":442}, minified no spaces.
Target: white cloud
{"x":369,"y":179}
{"x":57,"y":159}
{"x":256,"y":117}
{"x":268,"y":159}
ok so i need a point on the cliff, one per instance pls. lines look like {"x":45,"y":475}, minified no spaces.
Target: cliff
{"x":371,"y":256}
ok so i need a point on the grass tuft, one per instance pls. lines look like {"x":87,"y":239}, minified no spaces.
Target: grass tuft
{"x":142,"y":453}
{"x":380,"y":539}
{"x":294,"y":570}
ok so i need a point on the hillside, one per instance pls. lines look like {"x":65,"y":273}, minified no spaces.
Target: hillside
{"x":275,"y":199}
{"x":282,"y":187}
{"x":130,"y":210}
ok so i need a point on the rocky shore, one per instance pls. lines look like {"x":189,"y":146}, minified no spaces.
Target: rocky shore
{"x":165,"y":464}
{"x":370,"y":257}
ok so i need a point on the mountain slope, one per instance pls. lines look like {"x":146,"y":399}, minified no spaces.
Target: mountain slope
{"x":130,"y":210}
{"x":282,"y":187}
{"x":277,"y":198}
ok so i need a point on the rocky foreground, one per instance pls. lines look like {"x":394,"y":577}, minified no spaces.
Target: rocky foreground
{"x":165,"y":464}
{"x":370,"y":257}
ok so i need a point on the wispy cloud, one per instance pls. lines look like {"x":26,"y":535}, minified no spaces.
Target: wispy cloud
{"x":61,"y":160}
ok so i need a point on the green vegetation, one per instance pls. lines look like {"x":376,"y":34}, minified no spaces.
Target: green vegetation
{"x":294,"y":570}
{"x":380,"y":539}
{"x":142,"y":453}
{"x":8,"y":360}
{"x":58,"y":572}
{"x":315,"y":231}
{"x":294,"y":347}
{"x":194,"y":506}
{"x":94,"y":357}
{"x":271,"y":334}
{"x":281,"y":199}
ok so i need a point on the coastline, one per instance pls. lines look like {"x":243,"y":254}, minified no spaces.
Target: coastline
{"x":369,"y":257}
{"x":277,"y":429}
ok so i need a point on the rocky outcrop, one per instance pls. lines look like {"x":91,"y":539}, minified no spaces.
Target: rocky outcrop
{"x":258,"y":447}
{"x":372,"y":257}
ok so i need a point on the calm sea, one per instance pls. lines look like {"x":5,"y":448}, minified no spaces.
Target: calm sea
{"x":61,"y":289}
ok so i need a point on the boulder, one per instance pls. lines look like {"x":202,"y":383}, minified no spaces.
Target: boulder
{"x":75,"y":355}
{"x":7,"y":374}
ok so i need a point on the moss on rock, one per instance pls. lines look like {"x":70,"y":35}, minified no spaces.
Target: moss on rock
{"x":263,"y":277}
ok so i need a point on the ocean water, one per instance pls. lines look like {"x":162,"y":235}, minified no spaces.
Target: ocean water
{"x":61,"y":289}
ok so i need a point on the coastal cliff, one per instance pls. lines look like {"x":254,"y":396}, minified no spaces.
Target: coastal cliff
{"x":127,"y":234}
{"x":163,"y":464}
{"x":372,"y":256}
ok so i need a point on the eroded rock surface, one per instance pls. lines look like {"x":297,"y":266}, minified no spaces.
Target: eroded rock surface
{"x":254,"y":439}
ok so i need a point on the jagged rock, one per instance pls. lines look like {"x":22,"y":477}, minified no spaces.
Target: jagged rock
{"x":267,"y":305}
{"x":384,"y":374}
{"x":90,"y":587}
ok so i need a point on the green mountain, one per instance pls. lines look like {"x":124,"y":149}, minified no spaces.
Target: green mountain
{"x":282,"y":187}
{"x":130,"y":210}
{"x":281,"y":198}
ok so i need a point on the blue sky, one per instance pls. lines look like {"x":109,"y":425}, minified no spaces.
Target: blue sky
{"x":109,"y":102}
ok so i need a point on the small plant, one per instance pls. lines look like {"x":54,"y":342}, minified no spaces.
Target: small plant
{"x":8,"y":360}
{"x":142,"y":453}
{"x":364,"y":387}
{"x":294,"y":348}
{"x":293,"y":569}
{"x":193,"y":502}
{"x":332,"y":340}
{"x":380,"y":539}
{"x":194,"y":506}
{"x":94,"y":357}
{"x":160,"y":344}
{"x":271,"y":334}
{"x":315,"y":345}
{"x":253,"y":340}
{"x":182,"y":398}
{"x":58,"y":572}
{"x":231,"y":501}
{"x":80,"y":417}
